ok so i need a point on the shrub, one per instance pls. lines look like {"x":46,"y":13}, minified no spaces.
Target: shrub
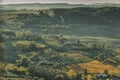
{"x":36,"y":78}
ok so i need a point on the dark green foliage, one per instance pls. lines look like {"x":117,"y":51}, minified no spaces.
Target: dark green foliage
{"x":2,"y":22}
{"x":85,"y":72}
{"x":24,"y":62}
{"x":106,"y":72}
{"x":1,"y":47}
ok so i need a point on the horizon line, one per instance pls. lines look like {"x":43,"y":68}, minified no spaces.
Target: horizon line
{"x":56,"y":3}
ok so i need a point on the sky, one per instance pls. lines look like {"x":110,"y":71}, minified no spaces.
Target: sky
{"x":59,"y":1}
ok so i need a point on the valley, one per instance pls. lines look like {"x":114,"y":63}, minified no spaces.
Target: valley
{"x":60,"y":44}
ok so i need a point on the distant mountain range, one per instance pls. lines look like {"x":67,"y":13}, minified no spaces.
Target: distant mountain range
{"x":37,"y":6}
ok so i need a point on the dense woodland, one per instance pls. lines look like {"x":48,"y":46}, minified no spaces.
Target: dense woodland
{"x":60,"y":44}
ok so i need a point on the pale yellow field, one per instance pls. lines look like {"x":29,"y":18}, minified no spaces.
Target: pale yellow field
{"x":93,"y":67}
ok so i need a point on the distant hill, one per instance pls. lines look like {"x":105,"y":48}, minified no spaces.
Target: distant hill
{"x":37,"y":6}
{"x":99,"y":22}
{"x":104,"y":5}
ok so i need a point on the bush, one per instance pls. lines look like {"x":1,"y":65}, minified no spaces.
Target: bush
{"x":41,"y":79}
{"x":36,"y":78}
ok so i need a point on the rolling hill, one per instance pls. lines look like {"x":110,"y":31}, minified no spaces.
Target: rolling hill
{"x":47,"y":43}
{"x":37,"y":6}
{"x":98,"y":22}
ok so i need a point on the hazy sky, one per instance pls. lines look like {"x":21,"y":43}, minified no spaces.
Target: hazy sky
{"x":59,"y":1}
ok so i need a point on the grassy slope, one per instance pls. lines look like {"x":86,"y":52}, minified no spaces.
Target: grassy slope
{"x":93,"y":67}
{"x":73,"y":28}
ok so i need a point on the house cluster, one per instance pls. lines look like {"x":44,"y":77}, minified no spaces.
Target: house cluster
{"x":99,"y":75}
{"x":73,"y":44}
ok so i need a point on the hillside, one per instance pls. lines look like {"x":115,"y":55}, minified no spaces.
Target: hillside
{"x":48,"y":43}
{"x":93,"y":67}
{"x":37,"y":6}
{"x":77,"y":21}
{"x":98,"y":67}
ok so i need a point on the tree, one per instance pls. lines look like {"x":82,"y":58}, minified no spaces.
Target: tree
{"x":22,"y":70}
{"x":1,"y":51}
{"x":101,"y":56}
{"x":1,"y":38}
{"x":59,"y":77}
{"x":11,"y":67}
{"x":2,"y":22}
{"x":79,"y":76}
{"x":36,"y":78}
{"x":71,"y":74}
{"x":42,"y":79}
{"x":94,"y":46}
{"x":1,"y":47}
{"x":2,"y":68}
{"x":86,"y":72}
{"x":23,"y":62}
{"x":106,"y":72}
{"x":89,"y":77}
